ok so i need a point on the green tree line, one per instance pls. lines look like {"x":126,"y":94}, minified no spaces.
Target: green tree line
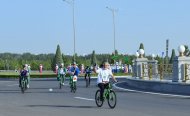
{"x":12,"y":61}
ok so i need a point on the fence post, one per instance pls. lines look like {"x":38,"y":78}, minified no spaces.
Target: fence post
{"x":150,"y":71}
{"x":143,"y":71}
{"x":161,"y":71}
{"x":185,"y":73}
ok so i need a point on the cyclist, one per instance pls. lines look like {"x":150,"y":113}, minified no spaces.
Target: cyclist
{"x":74,"y":70}
{"x":88,"y":73}
{"x":104,"y":74}
{"x":56,"y":68}
{"x":61,"y":73}
{"x":24,"y":73}
{"x":29,"y":72}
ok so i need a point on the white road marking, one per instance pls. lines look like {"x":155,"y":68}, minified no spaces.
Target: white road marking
{"x":13,"y":85}
{"x":5,"y":81}
{"x":67,"y":84}
{"x":153,"y":93}
{"x":82,"y":98}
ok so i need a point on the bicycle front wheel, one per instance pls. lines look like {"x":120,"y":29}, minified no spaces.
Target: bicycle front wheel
{"x":74,"y":87}
{"x":86,"y":82}
{"x":23,"y":86}
{"x":112,"y":99}
{"x":98,"y":101}
{"x":60,"y":83}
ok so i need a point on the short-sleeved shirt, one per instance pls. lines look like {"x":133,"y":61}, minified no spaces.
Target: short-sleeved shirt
{"x":62,"y":71}
{"x":103,"y":75}
{"x":88,"y":70}
{"x":76,"y":70}
{"x":24,"y":73}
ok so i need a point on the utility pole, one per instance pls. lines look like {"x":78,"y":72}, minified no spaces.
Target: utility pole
{"x":72,"y":3}
{"x":113,"y":16}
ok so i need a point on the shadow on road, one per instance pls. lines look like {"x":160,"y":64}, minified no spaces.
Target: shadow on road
{"x":10,"y":91}
{"x":62,"y":106}
{"x":38,"y":88}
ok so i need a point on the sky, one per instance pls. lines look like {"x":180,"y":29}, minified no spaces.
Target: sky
{"x":38,"y":26}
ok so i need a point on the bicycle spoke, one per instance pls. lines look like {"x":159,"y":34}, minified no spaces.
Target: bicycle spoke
{"x":98,"y":101}
{"x":112,"y":99}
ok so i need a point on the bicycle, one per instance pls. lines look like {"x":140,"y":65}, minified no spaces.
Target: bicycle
{"x":73,"y":80}
{"x":108,"y":94}
{"x":87,"y":78}
{"x":24,"y":83}
{"x":61,"y":80}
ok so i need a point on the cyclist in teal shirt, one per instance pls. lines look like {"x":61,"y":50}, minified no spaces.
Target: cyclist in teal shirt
{"x":61,"y":73}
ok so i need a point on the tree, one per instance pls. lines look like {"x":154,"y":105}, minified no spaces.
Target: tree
{"x":141,"y":47}
{"x":58,"y":57}
{"x":74,"y":59}
{"x":93,"y":58}
{"x":116,"y":53}
{"x":172,"y":56}
{"x":187,"y":52}
{"x":159,"y":59}
{"x":63,"y":57}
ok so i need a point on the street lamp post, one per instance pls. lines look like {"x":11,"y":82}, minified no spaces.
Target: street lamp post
{"x":113,"y":13}
{"x":72,"y":4}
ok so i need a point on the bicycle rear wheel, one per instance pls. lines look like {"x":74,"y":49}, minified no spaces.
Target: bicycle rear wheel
{"x":74,"y":87}
{"x":87,"y":82}
{"x":112,"y":99}
{"x":60,"y":83}
{"x":23,"y":86}
{"x":89,"y":79}
{"x":71,"y":83}
{"x":98,"y":101}
{"x":71,"y":86}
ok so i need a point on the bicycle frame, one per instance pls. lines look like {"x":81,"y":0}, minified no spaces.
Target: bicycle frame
{"x":62,"y":80}
{"x":88,"y":79}
{"x":108,"y":94}
{"x":73,"y":80}
{"x":107,"y":91}
{"x":23,"y":83}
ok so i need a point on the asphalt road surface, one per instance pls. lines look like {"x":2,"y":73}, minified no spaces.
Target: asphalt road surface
{"x":39,"y":101}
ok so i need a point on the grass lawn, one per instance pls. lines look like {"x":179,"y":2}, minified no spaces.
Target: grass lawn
{"x":13,"y":74}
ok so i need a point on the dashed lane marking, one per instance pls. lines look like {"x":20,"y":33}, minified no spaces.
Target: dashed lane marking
{"x":82,"y":98}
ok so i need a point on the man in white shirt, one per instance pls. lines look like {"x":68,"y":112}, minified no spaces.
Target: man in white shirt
{"x":103,"y":77}
{"x":61,"y":73}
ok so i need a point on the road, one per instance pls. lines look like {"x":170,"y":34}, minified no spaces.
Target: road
{"x":39,"y":101}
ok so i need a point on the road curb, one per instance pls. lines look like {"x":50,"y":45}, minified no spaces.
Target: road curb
{"x":147,"y":92}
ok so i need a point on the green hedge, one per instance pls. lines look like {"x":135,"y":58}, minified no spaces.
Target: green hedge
{"x":32,"y":76}
{"x":50,"y":75}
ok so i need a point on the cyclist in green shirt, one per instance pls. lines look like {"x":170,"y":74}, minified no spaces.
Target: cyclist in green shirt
{"x":61,"y":73}
{"x":28,"y":77}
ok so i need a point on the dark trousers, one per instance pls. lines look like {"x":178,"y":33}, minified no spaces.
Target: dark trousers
{"x":20,"y":77}
{"x":63,"y":77}
{"x":102,"y":86}
{"x":87,"y":75}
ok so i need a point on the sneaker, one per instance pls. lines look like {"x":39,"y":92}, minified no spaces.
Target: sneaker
{"x":28,"y":86}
